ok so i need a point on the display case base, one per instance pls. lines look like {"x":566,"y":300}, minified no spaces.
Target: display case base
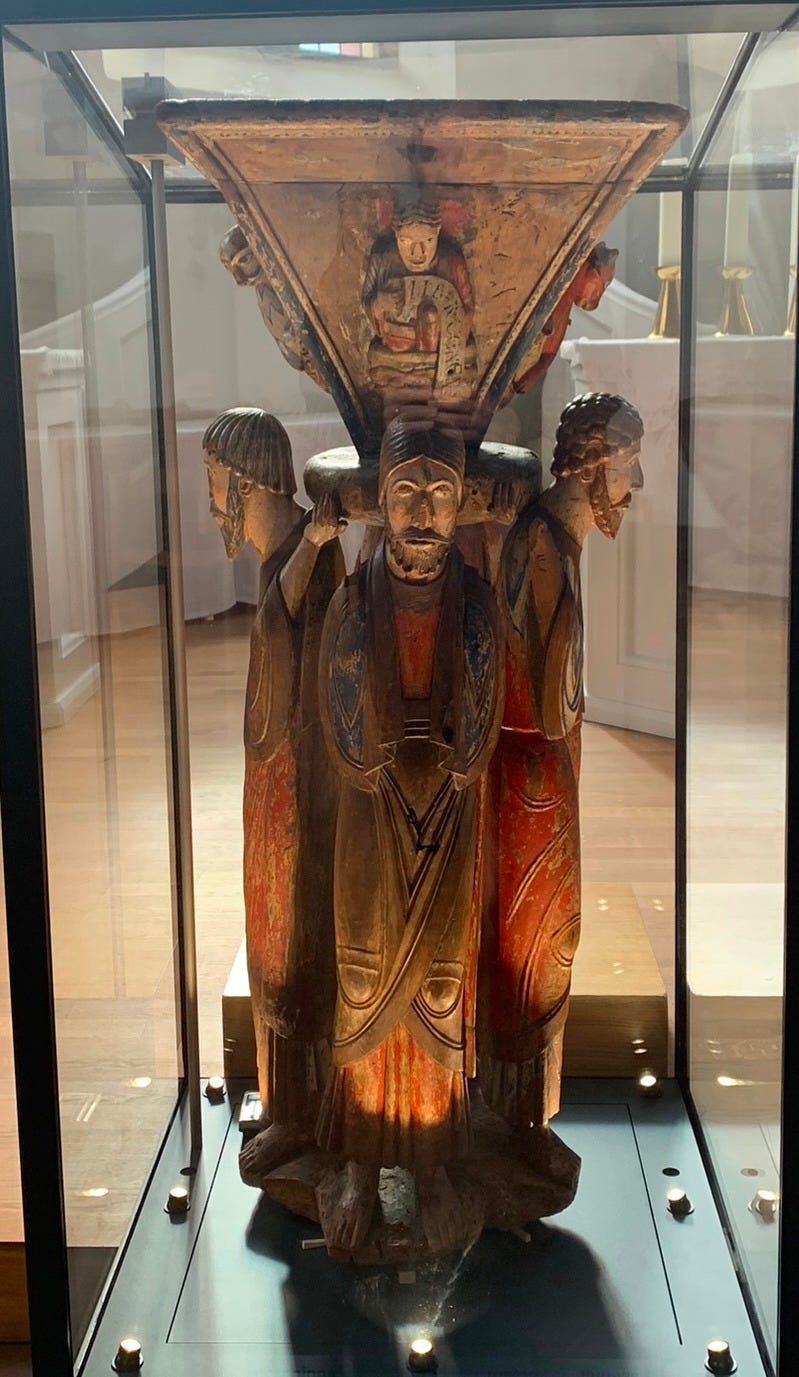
{"x":616,"y":1287}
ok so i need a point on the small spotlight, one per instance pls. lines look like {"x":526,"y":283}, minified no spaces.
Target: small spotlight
{"x":422,"y":1357}
{"x":177,"y":1202}
{"x":678,"y":1203}
{"x":95,"y":1193}
{"x":719,"y":1358}
{"x":215,"y":1089}
{"x":649,"y":1085}
{"x":766,"y":1204}
{"x":128,"y":1357}
{"x":140,"y":1082}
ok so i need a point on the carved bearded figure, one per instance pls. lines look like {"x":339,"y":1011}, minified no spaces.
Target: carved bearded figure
{"x":532,"y":929}
{"x":411,"y":700}
{"x":290,"y":791}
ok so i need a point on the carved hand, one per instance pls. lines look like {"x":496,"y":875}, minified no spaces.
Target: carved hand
{"x":390,"y":301}
{"x":326,"y":520}
{"x":505,"y":501}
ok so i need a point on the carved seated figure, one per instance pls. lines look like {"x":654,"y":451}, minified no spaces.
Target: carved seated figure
{"x":418,"y":297}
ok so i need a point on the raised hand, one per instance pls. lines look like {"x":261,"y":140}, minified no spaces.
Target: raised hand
{"x":505,"y":501}
{"x":326,"y":521}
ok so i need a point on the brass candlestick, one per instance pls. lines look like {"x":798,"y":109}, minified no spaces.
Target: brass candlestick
{"x":790,"y":328}
{"x":735,"y":317}
{"x":667,"y":315}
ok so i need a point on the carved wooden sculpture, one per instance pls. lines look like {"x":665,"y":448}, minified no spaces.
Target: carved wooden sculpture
{"x":586,"y":291}
{"x":419,"y":261}
{"x":290,"y":792}
{"x":411,"y":704}
{"x":530,"y":938}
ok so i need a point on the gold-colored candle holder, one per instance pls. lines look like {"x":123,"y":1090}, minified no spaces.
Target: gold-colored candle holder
{"x":735,"y":317}
{"x":790,"y":328}
{"x":667,"y":315}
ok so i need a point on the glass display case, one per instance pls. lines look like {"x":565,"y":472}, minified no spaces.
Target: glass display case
{"x":133,"y":140}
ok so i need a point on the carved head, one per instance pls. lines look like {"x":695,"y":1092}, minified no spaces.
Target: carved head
{"x":599,"y":443}
{"x":421,"y":487}
{"x":597,"y":272}
{"x":417,"y":225}
{"x":246,"y":451}
{"x":239,"y":259}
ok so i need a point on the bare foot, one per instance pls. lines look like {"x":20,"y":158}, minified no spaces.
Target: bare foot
{"x":348,"y":1222}
{"x":547,"y":1155}
{"x":270,"y":1149}
{"x":441,"y":1210}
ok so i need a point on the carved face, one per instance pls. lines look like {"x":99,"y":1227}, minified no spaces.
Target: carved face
{"x":613,"y":486}
{"x":421,"y":507}
{"x":417,"y":245}
{"x":245,"y":267}
{"x":591,"y":281}
{"x":224,"y":490}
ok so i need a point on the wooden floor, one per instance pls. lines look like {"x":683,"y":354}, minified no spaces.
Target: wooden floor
{"x":110,"y":874}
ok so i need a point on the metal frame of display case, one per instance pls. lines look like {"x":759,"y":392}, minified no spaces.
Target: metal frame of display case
{"x":21,"y":777}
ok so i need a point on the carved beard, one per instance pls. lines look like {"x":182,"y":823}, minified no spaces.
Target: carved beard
{"x":608,"y":518}
{"x":232,"y":523}
{"x":418,"y":552}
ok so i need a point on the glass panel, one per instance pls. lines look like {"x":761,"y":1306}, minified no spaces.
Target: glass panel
{"x":12,"y":1247}
{"x":686,"y":69}
{"x":627,"y":771}
{"x":97,"y":553}
{"x":763,"y":117}
{"x":739,"y":568}
{"x":626,"y":951}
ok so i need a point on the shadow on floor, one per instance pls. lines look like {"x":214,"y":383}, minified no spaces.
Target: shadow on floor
{"x":505,"y":1305}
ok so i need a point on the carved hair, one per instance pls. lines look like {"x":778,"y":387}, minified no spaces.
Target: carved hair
{"x":416,"y":210}
{"x":401,"y":443}
{"x":601,"y":256}
{"x":591,"y":429}
{"x":232,"y":250}
{"x":254,"y":445}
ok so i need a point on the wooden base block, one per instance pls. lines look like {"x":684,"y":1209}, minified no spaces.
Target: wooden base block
{"x":14,"y":1327}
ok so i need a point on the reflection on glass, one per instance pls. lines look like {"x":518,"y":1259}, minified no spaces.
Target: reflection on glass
{"x":92,"y":473}
{"x":741,"y":463}
{"x":11,"y":1224}
{"x":685,"y":69}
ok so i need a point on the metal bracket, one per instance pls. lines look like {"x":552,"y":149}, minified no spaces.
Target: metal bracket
{"x":144,"y":141}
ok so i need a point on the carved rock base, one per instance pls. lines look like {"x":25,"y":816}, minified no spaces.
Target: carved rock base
{"x":507,"y":1182}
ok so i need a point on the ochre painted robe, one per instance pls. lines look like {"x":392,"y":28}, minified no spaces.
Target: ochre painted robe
{"x":532,"y":919}
{"x":290,"y":800}
{"x":405,"y":853}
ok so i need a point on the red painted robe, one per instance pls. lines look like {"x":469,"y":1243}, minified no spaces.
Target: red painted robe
{"x":411,"y":703}
{"x":290,"y":798}
{"x":532,"y":922}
